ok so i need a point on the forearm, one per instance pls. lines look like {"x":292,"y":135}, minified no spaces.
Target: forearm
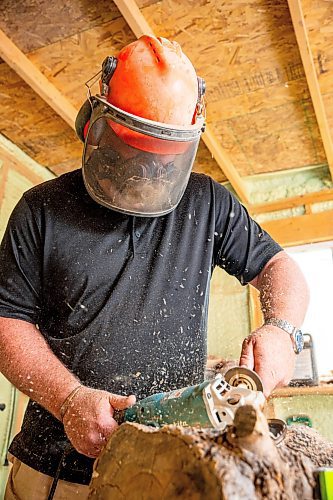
{"x":27,"y":362}
{"x":284,"y":293}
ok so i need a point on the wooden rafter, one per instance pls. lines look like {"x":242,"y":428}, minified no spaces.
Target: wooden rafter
{"x":308,"y":228}
{"x":15,"y":58}
{"x":301,"y":33}
{"x":295,"y":201}
{"x":10,"y":161}
{"x":134,"y":18}
{"x":14,"y":158}
{"x":19,"y":167}
{"x":224,"y":162}
{"x":138,"y":24}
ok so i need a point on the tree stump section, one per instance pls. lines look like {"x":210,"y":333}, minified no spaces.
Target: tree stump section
{"x":173,"y":462}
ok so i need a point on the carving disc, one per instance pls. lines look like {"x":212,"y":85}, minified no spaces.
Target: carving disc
{"x":239,"y":375}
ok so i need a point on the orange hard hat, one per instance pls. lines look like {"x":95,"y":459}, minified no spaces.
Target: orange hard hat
{"x":154,"y":80}
{"x":142,"y":132}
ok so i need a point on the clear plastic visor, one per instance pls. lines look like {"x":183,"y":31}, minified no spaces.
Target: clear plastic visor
{"x":128,"y":178}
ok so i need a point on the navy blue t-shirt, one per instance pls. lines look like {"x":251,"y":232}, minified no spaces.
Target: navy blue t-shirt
{"x":121,"y":300}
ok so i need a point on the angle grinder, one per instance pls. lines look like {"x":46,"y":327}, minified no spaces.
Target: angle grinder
{"x":213,"y":403}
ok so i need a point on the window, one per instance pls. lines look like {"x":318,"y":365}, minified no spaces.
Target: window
{"x":316,"y":262}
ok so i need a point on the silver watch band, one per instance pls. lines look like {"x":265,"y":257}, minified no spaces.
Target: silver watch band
{"x":295,"y":333}
{"x":283,"y":324}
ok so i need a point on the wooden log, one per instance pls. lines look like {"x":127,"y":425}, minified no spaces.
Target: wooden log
{"x":141,"y":462}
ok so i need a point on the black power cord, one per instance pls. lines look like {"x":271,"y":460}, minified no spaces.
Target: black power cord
{"x":67,"y":450}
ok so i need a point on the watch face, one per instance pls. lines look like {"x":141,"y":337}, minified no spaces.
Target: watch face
{"x":299,"y":341}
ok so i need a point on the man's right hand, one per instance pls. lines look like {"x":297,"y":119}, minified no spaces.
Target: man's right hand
{"x":89,"y":422}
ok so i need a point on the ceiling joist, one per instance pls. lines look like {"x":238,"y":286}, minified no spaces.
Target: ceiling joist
{"x":13,"y":158}
{"x":19,"y":62}
{"x":138,"y":24}
{"x":11,"y":161}
{"x":301,"y":230}
{"x":295,"y":201}
{"x":226,"y":165}
{"x":134,"y":18}
{"x":301,"y":33}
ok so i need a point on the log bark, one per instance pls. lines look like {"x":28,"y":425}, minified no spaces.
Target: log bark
{"x":173,"y":462}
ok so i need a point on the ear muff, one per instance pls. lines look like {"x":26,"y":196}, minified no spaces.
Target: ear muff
{"x":82,"y":119}
{"x":83,"y":116}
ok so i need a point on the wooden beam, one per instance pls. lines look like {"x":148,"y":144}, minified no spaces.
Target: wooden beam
{"x":15,"y":158}
{"x":295,"y":201}
{"x":301,"y":230}
{"x":297,"y":17}
{"x":132,"y":15}
{"x":14,"y":164}
{"x":225,"y":164}
{"x":138,"y":24}
{"x":15,"y":58}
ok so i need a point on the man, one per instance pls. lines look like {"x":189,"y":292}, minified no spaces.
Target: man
{"x":105,"y":272}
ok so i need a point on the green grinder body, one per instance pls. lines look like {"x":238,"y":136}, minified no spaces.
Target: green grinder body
{"x":184,"y":407}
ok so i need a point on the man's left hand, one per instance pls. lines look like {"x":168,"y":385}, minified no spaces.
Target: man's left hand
{"x":269,"y":352}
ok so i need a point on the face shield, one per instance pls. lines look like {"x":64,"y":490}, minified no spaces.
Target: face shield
{"x":137,"y":166}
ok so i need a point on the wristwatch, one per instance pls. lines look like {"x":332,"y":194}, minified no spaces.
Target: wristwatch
{"x":295,"y":333}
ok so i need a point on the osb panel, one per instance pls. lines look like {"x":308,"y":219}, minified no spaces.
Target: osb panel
{"x":32,"y":24}
{"x":258,"y":100}
{"x":258,"y":143}
{"x":31,"y":124}
{"x":35,"y":23}
{"x":68,"y":64}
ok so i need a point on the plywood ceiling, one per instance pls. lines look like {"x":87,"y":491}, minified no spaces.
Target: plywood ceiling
{"x":259,"y":107}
